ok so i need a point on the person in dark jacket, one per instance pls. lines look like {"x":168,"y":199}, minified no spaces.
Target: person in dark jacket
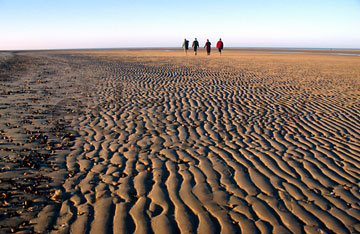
{"x":195,"y":45}
{"x":208,"y":46}
{"x":185,"y":45}
{"x":220,"y":45}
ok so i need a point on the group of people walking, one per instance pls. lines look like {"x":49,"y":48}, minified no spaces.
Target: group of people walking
{"x":195,"y":45}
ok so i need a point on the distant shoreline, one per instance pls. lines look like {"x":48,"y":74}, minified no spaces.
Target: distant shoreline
{"x":331,"y":51}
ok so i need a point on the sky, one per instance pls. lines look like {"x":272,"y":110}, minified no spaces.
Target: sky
{"x":65,"y":24}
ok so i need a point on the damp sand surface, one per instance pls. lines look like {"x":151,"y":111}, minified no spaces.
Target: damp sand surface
{"x":142,"y":141}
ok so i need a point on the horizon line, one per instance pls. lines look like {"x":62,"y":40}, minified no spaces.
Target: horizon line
{"x":169,"y":47}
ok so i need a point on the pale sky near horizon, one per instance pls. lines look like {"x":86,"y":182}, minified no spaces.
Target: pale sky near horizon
{"x":47,"y":24}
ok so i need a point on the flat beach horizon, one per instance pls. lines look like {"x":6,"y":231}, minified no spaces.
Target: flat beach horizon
{"x":311,"y":50}
{"x":148,"y":140}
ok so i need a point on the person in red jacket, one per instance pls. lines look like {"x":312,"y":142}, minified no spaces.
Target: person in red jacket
{"x":208,"y":46}
{"x":220,"y":45}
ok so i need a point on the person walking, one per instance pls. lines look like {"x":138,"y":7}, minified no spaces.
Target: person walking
{"x":195,"y":45}
{"x":208,"y":46}
{"x":220,"y":45}
{"x":185,"y":45}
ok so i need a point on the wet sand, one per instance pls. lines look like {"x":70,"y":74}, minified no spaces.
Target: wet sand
{"x":141,"y":141}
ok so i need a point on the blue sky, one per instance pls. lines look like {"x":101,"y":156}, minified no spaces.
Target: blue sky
{"x":47,"y":24}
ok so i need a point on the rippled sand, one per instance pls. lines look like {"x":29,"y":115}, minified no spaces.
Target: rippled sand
{"x":154,"y":141}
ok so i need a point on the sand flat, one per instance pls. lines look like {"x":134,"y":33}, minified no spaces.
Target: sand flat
{"x":141,"y":141}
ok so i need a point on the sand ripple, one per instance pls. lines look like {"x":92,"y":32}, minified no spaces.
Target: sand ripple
{"x":175,"y":144}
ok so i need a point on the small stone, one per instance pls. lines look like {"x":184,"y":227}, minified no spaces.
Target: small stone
{"x":57,"y":195}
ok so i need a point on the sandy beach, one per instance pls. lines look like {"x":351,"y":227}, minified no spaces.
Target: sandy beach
{"x":153,"y":141}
